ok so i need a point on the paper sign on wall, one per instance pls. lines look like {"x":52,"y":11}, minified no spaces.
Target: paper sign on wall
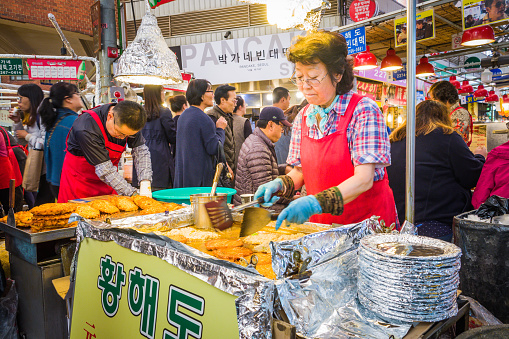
{"x":54,"y":69}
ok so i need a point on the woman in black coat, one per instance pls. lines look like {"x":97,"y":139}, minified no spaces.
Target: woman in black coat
{"x":159,"y":132}
{"x":445,"y":171}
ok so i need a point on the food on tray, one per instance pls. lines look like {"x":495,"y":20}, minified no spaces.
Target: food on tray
{"x":153,"y":210}
{"x":266,"y":270}
{"x":145,"y":202}
{"x":178,"y":237}
{"x":232,"y":252}
{"x":87,"y":212}
{"x":192,"y":234}
{"x":222,"y":243}
{"x":22,"y":217}
{"x":260,"y":241}
{"x":263,"y":258}
{"x":104,"y":206}
{"x":37,"y":218}
{"x":45,"y":226}
{"x":124,"y":204}
{"x":171,"y":206}
{"x":53,"y":209}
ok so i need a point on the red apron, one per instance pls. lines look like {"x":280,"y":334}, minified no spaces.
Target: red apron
{"x":78,"y":176}
{"x":327,"y":162}
{"x":7,"y":173}
{"x":14,"y":172}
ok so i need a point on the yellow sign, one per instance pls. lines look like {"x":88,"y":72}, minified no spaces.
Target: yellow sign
{"x":425,"y":28}
{"x":479,"y":137}
{"x":121,"y":293}
{"x":481,"y":12}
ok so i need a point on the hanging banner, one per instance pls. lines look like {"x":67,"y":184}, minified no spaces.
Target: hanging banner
{"x":363,"y":9}
{"x":482,"y":12}
{"x":240,"y":60}
{"x":370,"y":90}
{"x":121,"y":293}
{"x":54,"y":69}
{"x":11,"y":66}
{"x":355,"y":40}
{"x":425,"y":27}
{"x":156,"y":3}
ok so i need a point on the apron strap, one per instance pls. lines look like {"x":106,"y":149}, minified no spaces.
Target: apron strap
{"x":347,"y":117}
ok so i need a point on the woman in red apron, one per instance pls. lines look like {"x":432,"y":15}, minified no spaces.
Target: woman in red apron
{"x":339,"y":145}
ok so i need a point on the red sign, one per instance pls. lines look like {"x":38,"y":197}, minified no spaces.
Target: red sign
{"x":362,"y":9}
{"x":368,"y":89}
{"x":54,"y":69}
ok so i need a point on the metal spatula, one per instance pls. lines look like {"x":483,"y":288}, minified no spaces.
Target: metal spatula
{"x":221,"y":215}
{"x":11,"y":220}
{"x":255,"y":218}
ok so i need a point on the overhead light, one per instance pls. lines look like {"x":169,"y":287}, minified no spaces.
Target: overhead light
{"x":400,"y":119}
{"x":455,"y":82}
{"x":466,"y":88}
{"x":269,"y":96}
{"x":391,"y":62}
{"x":477,"y":36}
{"x":365,"y":60}
{"x":486,"y":76}
{"x":424,"y":68}
{"x":148,"y":59}
{"x":481,"y":93}
{"x":491,"y":98}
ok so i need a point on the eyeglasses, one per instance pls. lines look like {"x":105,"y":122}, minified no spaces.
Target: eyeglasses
{"x":18,"y":99}
{"x":311,"y":82}
{"x":119,"y":134}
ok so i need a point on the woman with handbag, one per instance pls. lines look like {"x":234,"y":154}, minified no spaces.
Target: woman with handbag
{"x":198,"y":138}
{"x":29,"y":131}
{"x":58,"y":113}
{"x":159,"y":133}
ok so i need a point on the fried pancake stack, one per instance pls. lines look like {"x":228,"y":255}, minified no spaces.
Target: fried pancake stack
{"x":51,"y":216}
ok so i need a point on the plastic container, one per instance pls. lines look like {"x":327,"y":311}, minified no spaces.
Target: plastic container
{"x":484,"y":273}
{"x":182,"y":195}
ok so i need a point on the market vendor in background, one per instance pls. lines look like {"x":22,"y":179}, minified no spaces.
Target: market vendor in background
{"x":339,"y":144}
{"x":94,"y":146}
{"x":445,"y":93}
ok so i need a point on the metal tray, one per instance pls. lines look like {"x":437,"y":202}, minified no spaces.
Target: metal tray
{"x":35,"y":238}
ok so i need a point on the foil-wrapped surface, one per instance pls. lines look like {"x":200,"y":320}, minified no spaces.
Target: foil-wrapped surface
{"x":317,"y":285}
{"x":408,"y":277}
{"x":148,"y":59}
{"x":255,"y":293}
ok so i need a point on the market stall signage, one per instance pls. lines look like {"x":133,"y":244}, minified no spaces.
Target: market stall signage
{"x":355,"y":40}
{"x":255,"y":58}
{"x":11,"y":66}
{"x":425,"y":27}
{"x":54,"y":69}
{"x":456,"y":40}
{"x":479,"y":137}
{"x":121,"y":293}
{"x":472,"y":60}
{"x":362,"y":9}
{"x":5,"y":106}
{"x":477,"y":13}
{"x":156,"y":3}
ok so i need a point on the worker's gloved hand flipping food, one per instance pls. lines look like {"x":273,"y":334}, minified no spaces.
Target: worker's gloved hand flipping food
{"x":299,"y":211}
{"x":268,"y":190}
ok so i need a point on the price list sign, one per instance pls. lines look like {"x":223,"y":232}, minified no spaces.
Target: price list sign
{"x":52,"y":69}
{"x":355,"y":40}
{"x":11,"y":67}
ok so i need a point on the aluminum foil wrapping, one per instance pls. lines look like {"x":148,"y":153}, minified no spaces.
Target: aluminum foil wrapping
{"x":317,"y":286}
{"x":409,"y":277}
{"x":148,"y":59}
{"x":255,"y":293}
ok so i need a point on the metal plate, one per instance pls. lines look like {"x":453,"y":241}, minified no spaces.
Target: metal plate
{"x":35,"y":238}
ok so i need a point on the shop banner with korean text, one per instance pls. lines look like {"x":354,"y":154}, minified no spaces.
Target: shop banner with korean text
{"x":121,"y":293}
{"x":55,"y":69}
{"x":481,"y":12}
{"x":425,"y":28}
{"x":255,"y":58}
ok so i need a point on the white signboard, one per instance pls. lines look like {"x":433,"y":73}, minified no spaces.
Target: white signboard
{"x":456,"y":40}
{"x":5,"y":106}
{"x":240,"y":60}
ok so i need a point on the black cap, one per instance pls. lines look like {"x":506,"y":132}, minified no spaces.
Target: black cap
{"x":275,"y":114}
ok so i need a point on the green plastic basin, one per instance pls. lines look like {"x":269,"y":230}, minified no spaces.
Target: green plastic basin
{"x":181,"y":195}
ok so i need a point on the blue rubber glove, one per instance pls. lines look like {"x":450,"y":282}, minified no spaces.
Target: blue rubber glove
{"x":299,"y":210}
{"x":267,"y":190}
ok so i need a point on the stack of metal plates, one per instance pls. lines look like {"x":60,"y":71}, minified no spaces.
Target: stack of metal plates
{"x":408,"y":277}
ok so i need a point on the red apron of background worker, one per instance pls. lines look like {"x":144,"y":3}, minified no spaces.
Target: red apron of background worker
{"x":95,"y":145}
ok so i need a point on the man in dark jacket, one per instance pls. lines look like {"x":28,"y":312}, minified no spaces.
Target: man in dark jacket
{"x":257,"y":163}
{"x":226,"y":99}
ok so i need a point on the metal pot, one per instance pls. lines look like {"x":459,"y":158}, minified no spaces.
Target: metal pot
{"x":198,"y":201}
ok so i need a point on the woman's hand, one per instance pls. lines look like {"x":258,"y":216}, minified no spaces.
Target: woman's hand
{"x":14,"y":115}
{"x":299,"y":211}
{"x":21,"y":134}
{"x":268,"y":190}
{"x":221,"y":123}
{"x":482,"y":151}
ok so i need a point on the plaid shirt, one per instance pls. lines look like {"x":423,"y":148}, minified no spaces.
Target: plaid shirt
{"x":367,"y":134}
